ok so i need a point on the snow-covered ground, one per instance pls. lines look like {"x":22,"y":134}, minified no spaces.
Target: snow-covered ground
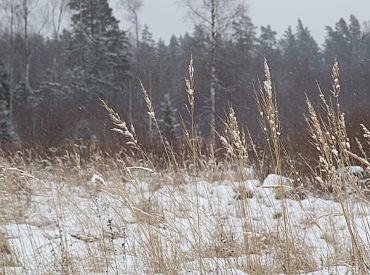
{"x":175,"y":224}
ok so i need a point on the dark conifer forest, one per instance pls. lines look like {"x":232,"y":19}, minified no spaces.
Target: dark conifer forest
{"x":51,"y":84}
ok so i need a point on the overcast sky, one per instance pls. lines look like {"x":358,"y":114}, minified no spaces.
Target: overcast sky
{"x":166,"y":17}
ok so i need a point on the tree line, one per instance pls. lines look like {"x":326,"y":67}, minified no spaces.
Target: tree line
{"x":50,"y":84}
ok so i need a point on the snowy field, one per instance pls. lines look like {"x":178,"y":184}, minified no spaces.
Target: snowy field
{"x":173,"y":223}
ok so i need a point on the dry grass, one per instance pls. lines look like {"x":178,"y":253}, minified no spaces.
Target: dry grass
{"x":118,"y":213}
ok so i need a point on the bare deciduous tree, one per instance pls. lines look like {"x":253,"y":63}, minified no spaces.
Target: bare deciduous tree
{"x":9,"y":8}
{"x":132,"y":8}
{"x":57,"y":10}
{"x":216,"y":16}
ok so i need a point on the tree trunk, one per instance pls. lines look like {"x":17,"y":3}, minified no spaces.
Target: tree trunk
{"x":137,"y":41}
{"x":27,"y":66}
{"x":150,"y":97}
{"x":26,"y":48}
{"x":130,"y":101}
{"x":11,"y":96}
{"x":213,"y":72}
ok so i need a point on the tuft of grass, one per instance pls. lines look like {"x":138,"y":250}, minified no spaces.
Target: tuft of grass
{"x":330,"y":139}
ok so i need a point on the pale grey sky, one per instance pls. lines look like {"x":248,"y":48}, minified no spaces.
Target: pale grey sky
{"x":166,"y":17}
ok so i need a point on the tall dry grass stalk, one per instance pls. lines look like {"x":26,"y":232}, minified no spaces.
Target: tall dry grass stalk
{"x":121,"y":126}
{"x":194,"y":145}
{"x":191,"y":138}
{"x":234,"y":142}
{"x":269,"y":119}
{"x":270,"y":124}
{"x":194,"y":153}
{"x":330,"y":139}
{"x":169,"y":152}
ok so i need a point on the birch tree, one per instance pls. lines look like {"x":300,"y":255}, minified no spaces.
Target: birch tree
{"x":57,"y":10}
{"x":10,"y":9}
{"x":216,"y":16}
{"x":25,"y":12}
{"x":132,"y":9}
{"x":30,"y":20}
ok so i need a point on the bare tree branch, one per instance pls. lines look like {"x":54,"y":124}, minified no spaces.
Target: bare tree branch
{"x":57,"y":10}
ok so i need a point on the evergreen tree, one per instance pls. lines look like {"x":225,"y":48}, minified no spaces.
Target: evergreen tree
{"x":97,"y":62}
{"x":98,"y":50}
{"x":309,"y":52}
{"x":173,"y":71}
{"x":147,"y":37}
{"x":168,"y":122}
{"x":366,"y":45}
{"x":290,"y":51}
{"x":290,"y":57}
{"x":308,"y":63}
{"x":163,"y":77}
{"x":356,"y":41}
{"x":243,"y":34}
{"x":346,"y":43}
{"x":175,"y":66}
{"x":147,"y":56}
{"x":267,"y":42}
{"x":354,"y":28}
{"x":240,"y":51}
{"x":5,"y":135}
{"x":267,"y":47}
{"x":299,"y":64}
{"x":237,"y":68}
{"x":337,"y":43}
